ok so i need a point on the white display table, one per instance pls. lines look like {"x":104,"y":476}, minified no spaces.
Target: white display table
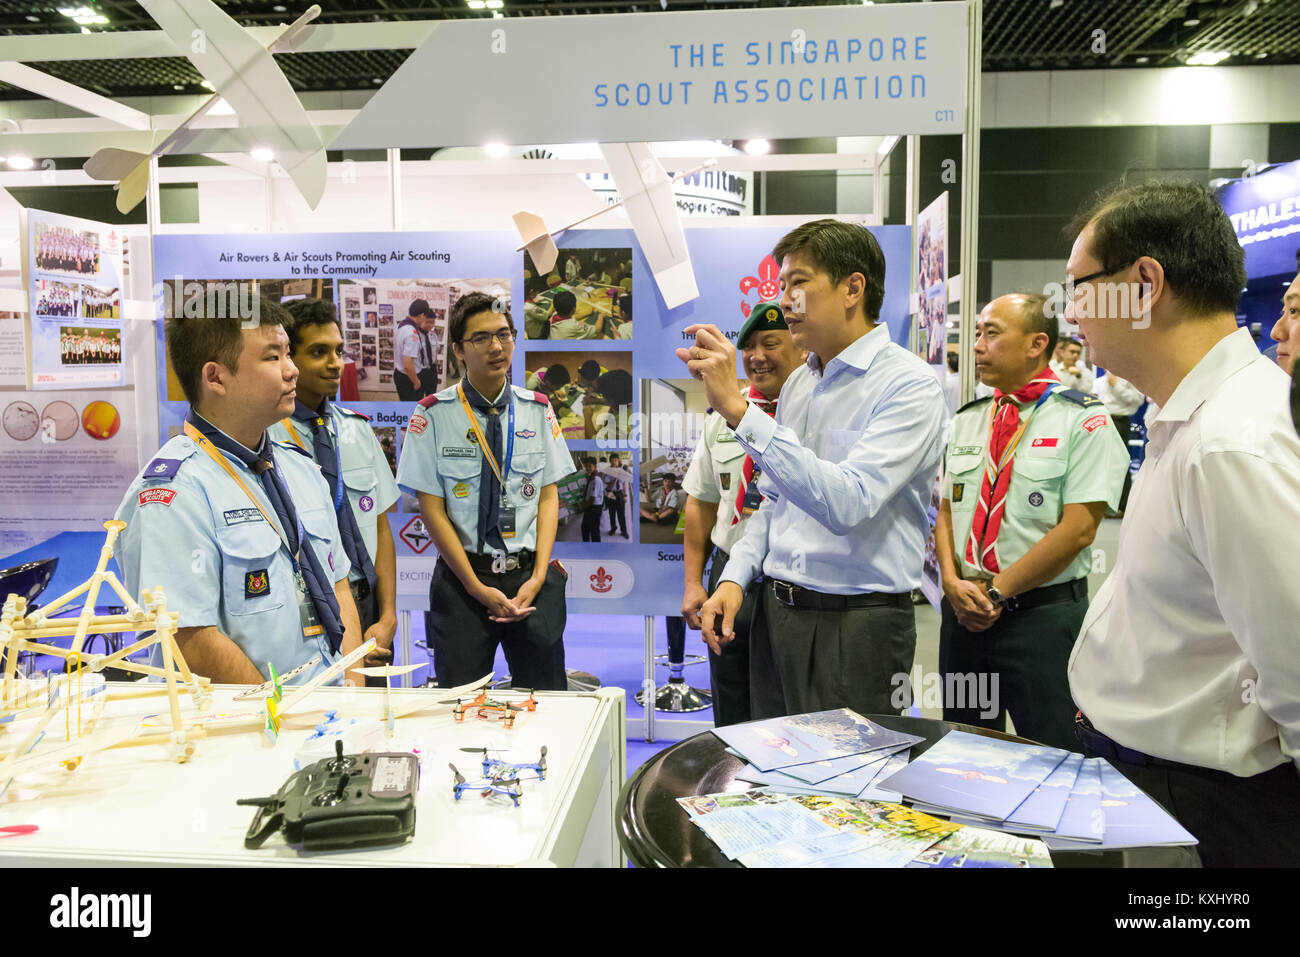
{"x":135,"y":806}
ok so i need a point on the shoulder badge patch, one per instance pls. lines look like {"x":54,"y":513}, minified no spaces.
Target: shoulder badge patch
{"x":163,"y":496}
{"x":161,"y":469}
{"x":1095,"y":423}
{"x":429,"y":401}
{"x":417,"y":424}
{"x":974,"y":402}
{"x":1077,"y":397}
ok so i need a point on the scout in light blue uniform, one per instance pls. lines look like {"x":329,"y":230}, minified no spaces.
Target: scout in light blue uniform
{"x":218,"y":561}
{"x":483,"y":464}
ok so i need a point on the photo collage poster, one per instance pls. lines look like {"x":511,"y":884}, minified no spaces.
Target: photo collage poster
{"x":74,"y":269}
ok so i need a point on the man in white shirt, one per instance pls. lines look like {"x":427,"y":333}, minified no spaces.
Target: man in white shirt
{"x":413,"y":352}
{"x":1286,"y":331}
{"x":1068,"y":365}
{"x":1187,"y":668}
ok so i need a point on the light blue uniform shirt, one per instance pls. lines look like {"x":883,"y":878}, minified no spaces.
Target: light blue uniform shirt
{"x":440,"y":458}
{"x":367,"y":477}
{"x":193,"y":531}
{"x":848,"y":468}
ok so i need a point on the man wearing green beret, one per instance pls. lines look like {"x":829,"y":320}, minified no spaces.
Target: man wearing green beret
{"x":722,"y":490}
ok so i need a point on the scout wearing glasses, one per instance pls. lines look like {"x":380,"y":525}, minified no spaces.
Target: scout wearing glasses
{"x":484,"y":457}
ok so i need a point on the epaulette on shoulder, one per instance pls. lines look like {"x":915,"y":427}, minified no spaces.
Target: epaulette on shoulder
{"x":974,"y":402}
{"x":168,"y":463}
{"x":359,"y":415}
{"x":429,"y":401}
{"x":1077,"y":397}
{"x":539,"y":397}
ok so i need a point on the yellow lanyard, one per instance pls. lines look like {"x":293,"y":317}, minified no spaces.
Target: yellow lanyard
{"x":212,"y":452}
{"x":1010,"y":450}
{"x":480,"y":437}
{"x":293,"y":433}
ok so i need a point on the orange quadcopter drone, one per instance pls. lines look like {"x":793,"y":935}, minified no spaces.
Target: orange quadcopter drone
{"x":486,"y":706}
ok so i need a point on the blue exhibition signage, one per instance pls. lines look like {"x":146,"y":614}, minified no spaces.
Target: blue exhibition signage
{"x":1265,"y":213}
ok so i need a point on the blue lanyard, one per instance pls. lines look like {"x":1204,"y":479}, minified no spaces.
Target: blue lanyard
{"x":510,"y":443}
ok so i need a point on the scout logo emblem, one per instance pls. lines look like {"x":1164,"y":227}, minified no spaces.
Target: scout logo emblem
{"x":528,"y":488}
{"x":602,"y":581}
{"x":957,"y":490}
{"x":525,"y":433}
{"x":1035,"y":499}
{"x":256,"y":583}
{"x":366,"y":503}
{"x":460,"y":490}
{"x":163,"y":496}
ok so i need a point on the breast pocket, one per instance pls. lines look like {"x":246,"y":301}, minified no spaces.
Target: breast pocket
{"x":320,"y":527}
{"x":526,"y":477}
{"x":254,"y":578}
{"x":459,"y":472}
{"x":727,"y":459}
{"x":1038,"y":484}
{"x":965,"y":473}
{"x":360,"y":485}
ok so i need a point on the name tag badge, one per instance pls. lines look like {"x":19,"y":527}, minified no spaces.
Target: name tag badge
{"x":311,"y":626}
{"x":968,"y":450}
{"x":507,"y":523}
{"x":753,"y":497}
{"x":455,"y":452}
{"x":241,"y":516}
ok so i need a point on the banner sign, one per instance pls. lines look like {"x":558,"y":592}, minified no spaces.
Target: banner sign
{"x":620,"y":394}
{"x":1265,"y":213}
{"x":806,"y":71}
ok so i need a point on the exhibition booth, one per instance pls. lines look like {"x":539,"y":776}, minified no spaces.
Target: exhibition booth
{"x":419,"y":198}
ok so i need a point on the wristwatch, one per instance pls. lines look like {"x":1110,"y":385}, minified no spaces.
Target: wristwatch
{"x":999,"y":601}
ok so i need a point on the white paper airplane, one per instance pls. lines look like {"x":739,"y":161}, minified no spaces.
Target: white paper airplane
{"x":647,"y":194}
{"x":246,"y":76}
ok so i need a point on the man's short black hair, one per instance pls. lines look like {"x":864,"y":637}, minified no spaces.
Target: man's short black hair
{"x":467,"y":307}
{"x":588,"y":460}
{"x":840,"y":249}
{"x":589,"y":369}
{"x":556,"y":376}
{"x":194,"y":341}
{"x":418,"y":307}
{"x":1180,"y":225}
{"x":308,"y":312}
{"x":616,"y":386}
{"x":565,"y":302}
{"x":1035,"y":317}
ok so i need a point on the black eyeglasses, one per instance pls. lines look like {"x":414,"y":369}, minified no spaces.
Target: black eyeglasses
{"x":480,"y":339}
{"x":1098,"y":274}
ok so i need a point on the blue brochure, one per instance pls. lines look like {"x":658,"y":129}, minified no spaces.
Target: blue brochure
{"x":1131,"y":818}
{"x":1042,"y":810}
{"x":976,"y":775}
{"x":777,"y":743}
{"x":1083,"y":818}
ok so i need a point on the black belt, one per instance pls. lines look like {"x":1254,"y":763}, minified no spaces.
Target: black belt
{"x":796,"y":596}
{"x":1104,"y":747}
{"x":1065,"y":591}
{"x":483,"y":564}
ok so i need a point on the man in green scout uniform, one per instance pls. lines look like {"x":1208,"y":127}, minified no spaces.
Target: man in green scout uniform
{"x":722,"y":490}
{"x":1028,"y":474}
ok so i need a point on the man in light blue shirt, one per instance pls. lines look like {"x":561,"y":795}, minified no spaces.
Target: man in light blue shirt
{"x":238,"y":530}
{"x":847,"y":468}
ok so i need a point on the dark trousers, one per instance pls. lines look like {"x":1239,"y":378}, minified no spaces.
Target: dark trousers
{"x":591,"y":523}
{"x":805,"y":660}
{"x":407,"y":391}
{"x":1239,"y":822}
{"x":1018,"y":666}
{"x":1122,"y":425}
{"x":729,"y":671}
{"x":617,"y":508}
{"x":464,"y":641}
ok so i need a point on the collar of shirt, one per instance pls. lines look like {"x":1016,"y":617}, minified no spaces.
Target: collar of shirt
{"x":859,"y":353}
{"x":1229,"y":355}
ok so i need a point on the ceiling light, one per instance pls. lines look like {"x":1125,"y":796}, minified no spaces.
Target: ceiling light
{"x":82,"y":15}
{"x":495,"y":4}
{"x":496,"y":150}
{"x":1143,"y":59}
{"x":279,"y":8}
{"x":262,"y":154}
{"x":377,"y":80}
{"x":20,"y":162}
{"x":1261,"y":56}
{"x":32,"y":19}
{"x":1055,"y":4}
{"x":757,"y":147}
{"x":1208,"y":58}
{"x":207,"y":86}
{"x":476,"y":4}
{"x":1191,"y":22}
{"x":179,"y":87}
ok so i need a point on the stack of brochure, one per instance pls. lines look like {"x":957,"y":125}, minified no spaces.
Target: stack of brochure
{"x":1071,"y":802}
{"x":838,"y":753}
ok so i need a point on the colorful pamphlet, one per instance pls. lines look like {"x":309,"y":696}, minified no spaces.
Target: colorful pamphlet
{"x":981,"y":847}
{"x":799,"y":739}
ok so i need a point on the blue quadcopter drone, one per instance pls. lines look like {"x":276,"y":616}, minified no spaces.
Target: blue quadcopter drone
{"x":500,"y":777}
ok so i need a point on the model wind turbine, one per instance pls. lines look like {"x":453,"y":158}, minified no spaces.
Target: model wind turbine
{"x":246,"y":76}
{"x":647,"y":192}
